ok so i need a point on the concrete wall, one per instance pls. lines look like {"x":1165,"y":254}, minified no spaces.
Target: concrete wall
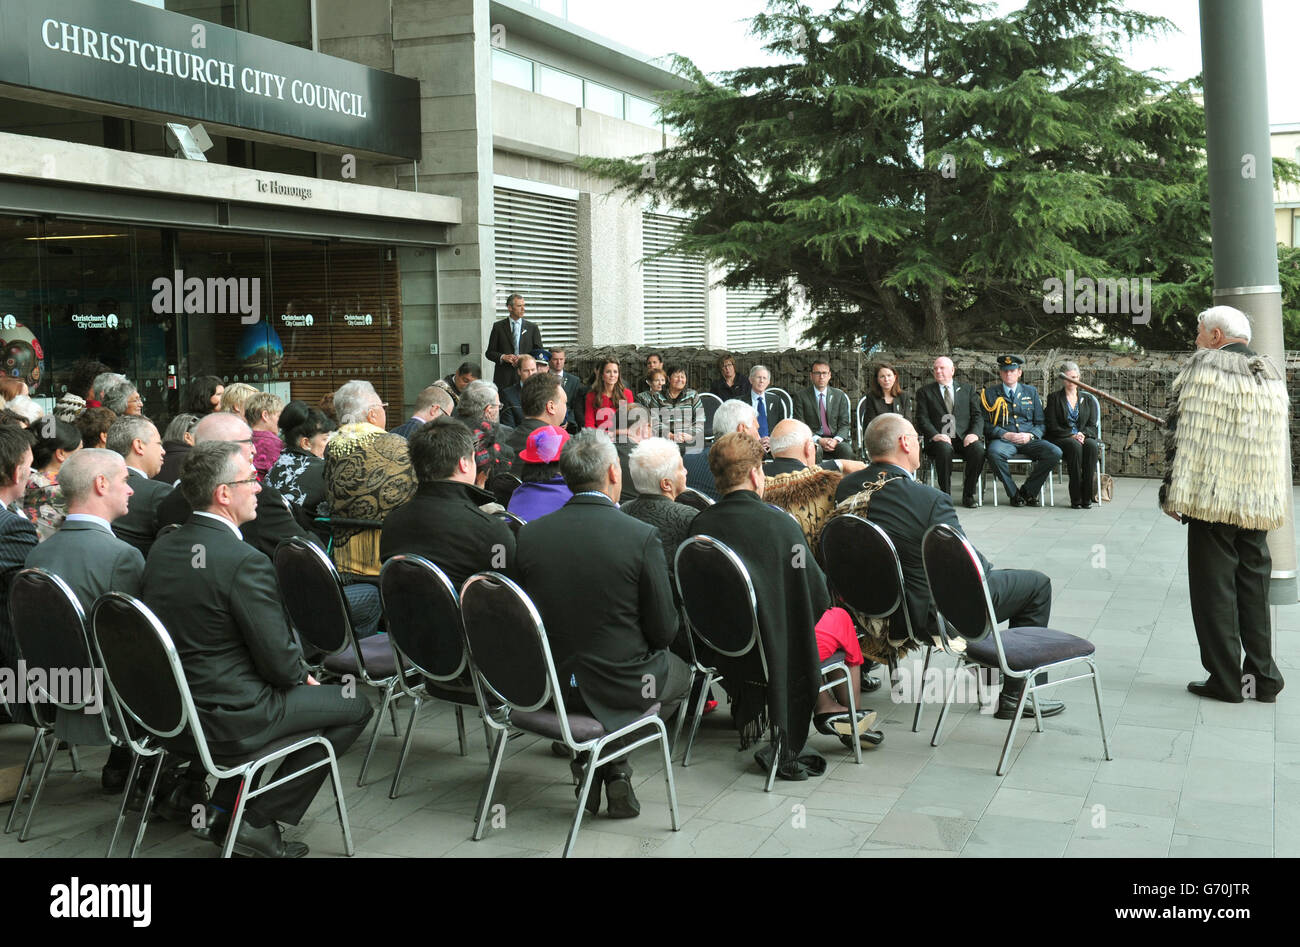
{"x":611,"y":300}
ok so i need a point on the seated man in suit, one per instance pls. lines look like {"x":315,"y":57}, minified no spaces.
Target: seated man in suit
{"x":768,"y":405}
{"x":905,"y":509}
{"x":432,"y":402}
{"x":512,"y":411}
{"x":543,"y":402}
{"x":572,"y":386}
{"x":250,"y":684}
{"x":731,"y":417}
{"x":443,"y":522}
{"x":951,"y":423}
{"x":138,"y":441}
{"x":1014,"y":422}
{"x":17,"y":536}
{"x":826,"y":410}
{"x":613,"y":659}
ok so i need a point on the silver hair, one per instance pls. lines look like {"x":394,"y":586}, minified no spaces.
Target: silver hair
{"x":123,"y":432}
{"x":882,"y":434}
{"x":78,"y":473}
{"x":653,"y":460}
{"x":116,"y":394}
{"x":586,"y":458}
{"x":1067,"y":367}
{"x":180,"y":425}
{"x":474,"y":400}
{"x":1231,"y":322}
{"x":798,"y":435}
{"x":731,"y":415}
{"x":354,"y":400}
{"x":221,"y":426}
{"x":102,"y":381}
{"x":760,"y":368}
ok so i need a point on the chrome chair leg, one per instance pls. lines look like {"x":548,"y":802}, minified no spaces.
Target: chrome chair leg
{"x":696,"y":718}
{"x":943,"y":712}
{"x":776,"y":760}
{"x":853,"y":715}
{"x":40,"y":784}
{"x":121,"y":810}
{"x":668,"y":776}
{"x":148,"y":804}
{"x":374,"y":733}
{"x":498,"y":755}
{"x":920,"y":697}
{"x":460,"y":729}
{"x":76,"y":762}
{"x":406,"y":748}
{"x":37,"y":742}
{"x":588,"y":776}
{"x":1011,"y":731}
{"x":339,"y":804}
{"x":392,"y":713}
{"x":235,"y":817}
{"x":1101,"y":721}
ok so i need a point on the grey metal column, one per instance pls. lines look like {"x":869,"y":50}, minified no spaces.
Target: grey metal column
{"x":1241,"y":205}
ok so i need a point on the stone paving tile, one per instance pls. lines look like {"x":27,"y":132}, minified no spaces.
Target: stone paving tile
{"x":1032,"y":804}
{"x":1000,"y":836}
{"x":1250,"y":824}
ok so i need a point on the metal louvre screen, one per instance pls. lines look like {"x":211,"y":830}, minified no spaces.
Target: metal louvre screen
{"x":748,"y":329}
{"x":537,"y":257}
{"x":676,"y":287}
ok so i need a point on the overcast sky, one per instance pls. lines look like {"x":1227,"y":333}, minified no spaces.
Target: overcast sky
{"x":714,"y":33}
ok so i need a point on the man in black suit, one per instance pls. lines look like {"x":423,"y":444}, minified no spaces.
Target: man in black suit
{"x":432,"y":402}
{"x":217,"y":597}
{"x":510,"y":338}
{"x":511,"y":410}
{"x":826,"y":410}
{"x":571,"y":385}
{"x":443,"y":522}
{"x":543,"y":402}
{"x":617,"y":654}
{"x":905,"y":508}
{"x":138,"y":441}
{"x":17,"y":534}
{"x":951,"y":423}
{"x":767,"y":405}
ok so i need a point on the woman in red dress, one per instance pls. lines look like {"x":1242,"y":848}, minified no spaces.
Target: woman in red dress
{"x":606,"y":393}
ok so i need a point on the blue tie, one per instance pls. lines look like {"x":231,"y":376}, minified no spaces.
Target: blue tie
{"x":762,"y":416}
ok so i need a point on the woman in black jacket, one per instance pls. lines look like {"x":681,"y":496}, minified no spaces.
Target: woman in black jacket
{"x":299,"y":472}
{"x":1071,"y":424}
{"x":886,"y":396}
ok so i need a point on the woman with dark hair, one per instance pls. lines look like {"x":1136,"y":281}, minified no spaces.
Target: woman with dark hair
{"x":886,"y":396}
{"x":94,"y":424}
{"x":177,"y":441}
{"x":43,"y":501}
{"x":606,"y":395}
{"x":1071,"y":424}
{"x":84,"y":373}
{"x":681,"y":413}
{"x":729,"y":385}
{"x":204,"y":395}
{"x":299,"y":472}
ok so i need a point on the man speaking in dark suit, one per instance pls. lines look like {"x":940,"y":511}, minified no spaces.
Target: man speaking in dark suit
{"x":905,"y":509}
{"x":511,"y":337}
{"x":614,"y":658}
{"x":138,"y":441}
{"x":951,"y":423}
{"x":826,"y":410}
{"x":217,"y":597}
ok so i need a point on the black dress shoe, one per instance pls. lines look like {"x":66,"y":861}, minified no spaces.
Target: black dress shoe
{"x":113,"y":781}
{"x":252,"y":841}
{"x":1085,"y":504}
{"x":1076,"y":505}
{"x":1033,"y":501}
{"x":1007,"y":707}
{"x":623,"y":803}
{"x":1206,"y":689}
{"x":1017,"y":500}
{"x":969,"y":502}
{"x":593,"y":795}
{"x":870,"y":684}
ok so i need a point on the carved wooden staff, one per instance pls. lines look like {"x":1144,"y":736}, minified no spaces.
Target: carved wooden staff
{"x":1116,"y":401}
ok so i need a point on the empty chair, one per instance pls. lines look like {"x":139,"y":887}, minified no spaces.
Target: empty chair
{"x":961,"y":595}
{"x":511,"y":659}
{"x":711,"y":403}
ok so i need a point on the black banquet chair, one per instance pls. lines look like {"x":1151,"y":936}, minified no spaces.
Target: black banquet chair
{"x":511,"y":660}
{"x":502,"y":486}
{"x":694,"y":499}
{"x":144,"y":674}
{"x":961,"y":594}
{"x":513,"y":520}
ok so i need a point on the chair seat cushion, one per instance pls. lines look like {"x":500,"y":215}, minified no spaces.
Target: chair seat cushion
{"x":547,"y":723}
{"x":835,"y":658}
{"x":375,"y":651}
{"x":452,"y":692}
{"x":1028,"y":647}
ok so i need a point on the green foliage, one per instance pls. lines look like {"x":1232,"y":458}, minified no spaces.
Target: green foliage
{"x":917,"y":170}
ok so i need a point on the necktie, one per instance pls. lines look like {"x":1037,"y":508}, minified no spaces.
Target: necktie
{"x":515,"y":325}
{"x":762,"y":416}
{"x":947,"y":398}
{"x":821,"y":411}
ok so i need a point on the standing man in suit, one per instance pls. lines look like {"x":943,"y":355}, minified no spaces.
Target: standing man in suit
{"x":572,"y":385}
{"x":511,"y":411}
{"x":951,"y":423}
{"x":432,"y":402}
{"x":767,"y":405}
{"x":138,"y":441}
{"x":1013,"y":420}
{"x":826,"y":410}
{"x":617,"y":655}
{"x":510,"y":338}
{"x":17,"y":534}
{"x":1227,"y":480}
{"x":217,"y":598}
{"x":905,"y":509}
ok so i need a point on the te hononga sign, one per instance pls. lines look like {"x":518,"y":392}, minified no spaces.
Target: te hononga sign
{"x":137,"y":56}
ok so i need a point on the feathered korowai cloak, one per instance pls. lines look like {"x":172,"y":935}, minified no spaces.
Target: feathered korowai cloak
{"x":1225,"y":443}
{"x":808,"y":495}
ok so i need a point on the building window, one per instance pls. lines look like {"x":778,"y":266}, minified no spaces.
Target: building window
{"x":642,"y":111}
{"x":512,"y":70}
{"x":559,"y":85}
{"x":605,"y":100}
{"x":1295,"y":229}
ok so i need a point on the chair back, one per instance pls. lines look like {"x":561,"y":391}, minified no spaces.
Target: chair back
{"x":502,"y":486}
{"x":956,"y":580}
{"x":508,"y":651}
{"x":694,"y":499}
{"x":862,"y":564}
{"x":718,"y":597}
{"x":787,"y":402}
{"x":513,"y":520}
{"x":141,"y":667}
{"x":711,"y":404}
{"x":860,"y":419}
{"x":50,"y":628}
{"x":312,"y":594}
{"x":422,"y":613}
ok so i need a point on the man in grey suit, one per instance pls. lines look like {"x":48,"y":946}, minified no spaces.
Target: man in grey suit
{"x":826,"y":410}
{"x":140,"y":444}
{"x":17,"y":534}
{"x":86,"y":555}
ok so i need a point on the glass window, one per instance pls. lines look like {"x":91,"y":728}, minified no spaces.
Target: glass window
{"x":642,"y":111}
{"x":512,"y":70}
{"x":605,"y":100}
{"x":558,"y":8}
{"x":559,"y":85}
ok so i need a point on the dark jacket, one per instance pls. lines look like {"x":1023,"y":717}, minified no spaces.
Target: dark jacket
{"x":791,"y":600}
{"x":443,"y":523}
{"x":518,"y":437}
{"x":673,"y":520}
{"x":590,"y":548}
{"x":272,"y":523}
{"x":407,"y":428}
{"x":501,"y":341}
{"x":512,"y":410}
{"x":838,"y":413}
{"x":873,"y":407}
{"x":739,"y":391}
{"x":141,"y":525}
{"x":1056,"y":416}
{"x":240,"y":657}
{"x":967,"y":418}
{"x":573,"y":391}
{"x":17,"y":540}
{"x":176,"y":452}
